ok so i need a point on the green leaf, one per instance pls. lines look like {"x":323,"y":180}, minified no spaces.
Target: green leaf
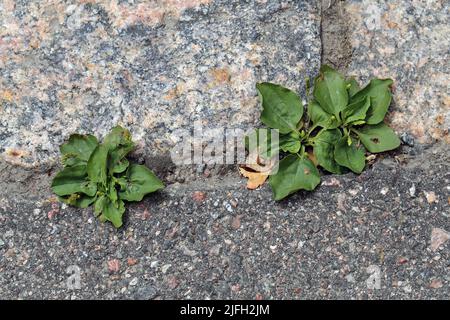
{"x":290,"y":142}
{"x":140,"y":181}
{"x":330,"y":91}
{"x":324,"y":149}
{"x":380,"y":98}
{"x":78,"y":149}
{"x":352,"y":86}
{"x":261,"y":139}
{"x":112,"y":192}
{"x":294,"y":173}
{"x":79,"y":200}
{"x":320,"y":117}
{"x":120,"y":166}
{"x":267,"y":148}
{"x":350,"y":156}
{"x":100,"y":203}
{"x":96,"y":167}
{"x":378,"y":138}
{"x":73,"y":180}
{"x":122,"y":182}
{"x":107,"y":210}
{"x":119,"y":143}
{"x":356,"y":111}
{"x":118,"y":136}
{"x":112,"y":212}
{"x":282,"y":108}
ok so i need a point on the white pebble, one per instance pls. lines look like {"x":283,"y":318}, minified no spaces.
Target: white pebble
{"x":165,"y":267}
{"x":412,"y":190}
{"x":134,"y":282}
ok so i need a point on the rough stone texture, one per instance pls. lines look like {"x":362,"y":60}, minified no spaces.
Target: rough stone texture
{"x":159,"y":66}
{"x":408,"y":41}
{"x":153,"y":66}
{"x":234,"y":243}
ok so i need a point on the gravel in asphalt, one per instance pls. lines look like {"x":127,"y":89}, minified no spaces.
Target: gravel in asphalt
{"x":383,"y":234}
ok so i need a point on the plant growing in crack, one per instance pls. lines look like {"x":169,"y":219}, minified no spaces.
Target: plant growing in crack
{"x":342,"y":123}
{"x":100,"y":174}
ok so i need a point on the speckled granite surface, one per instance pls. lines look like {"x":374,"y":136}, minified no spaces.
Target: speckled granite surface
{"x":153,"y":66}
{"x":408,"y":41}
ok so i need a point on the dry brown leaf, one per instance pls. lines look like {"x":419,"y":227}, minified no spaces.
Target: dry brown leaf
{"x":313,"y":158}
{"x":259,"y":164}
{"x":257,"y":169}
{"x":255,"y":179}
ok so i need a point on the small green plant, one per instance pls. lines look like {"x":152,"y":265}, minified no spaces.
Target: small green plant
{"x":342,"y":122}
{"x":100,"y":174}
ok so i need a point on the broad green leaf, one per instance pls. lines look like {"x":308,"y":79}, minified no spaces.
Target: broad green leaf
{"x":79,"y":200}
{"x":112,"y":212}
{"x":294,"y":173}
{"x":122,"y":182}
{"x":261,"y":139}
{"x":100,"y":203}
{"x":120,"y":166}
{"x":117,"y":136}
{"x":350,"y":156}
{"x":73,"y":180}
{"x":290,"y":142}
{"x":330,"y":91}
{"x":78,"y":149}
{"x":320,"y":117}
{"x":96,"y":167}
{"x":140,"y":181}
{"x":378,"y":138}
{"x":112,"y":191}
{"x":356,"y":111}
{"x":380,"y":98}
{"x":282,"y":108}
{"x":119,"y":143}
{"x":352,"y":86}
{"x":324,"y":150}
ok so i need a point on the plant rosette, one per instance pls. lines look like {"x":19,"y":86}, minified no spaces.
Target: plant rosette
{"x":342,"y":123}
{"x":99,"y":174}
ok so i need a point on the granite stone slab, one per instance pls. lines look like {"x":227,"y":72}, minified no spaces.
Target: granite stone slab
{"x":408,"y":41}
{"x":152,"y":66}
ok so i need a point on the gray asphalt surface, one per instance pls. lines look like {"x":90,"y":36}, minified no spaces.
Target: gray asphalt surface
{"x":355,"y":237}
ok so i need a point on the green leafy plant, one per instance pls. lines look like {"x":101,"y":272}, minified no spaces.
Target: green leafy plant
{"x":100,"y":174}
{"x":342,"y":123}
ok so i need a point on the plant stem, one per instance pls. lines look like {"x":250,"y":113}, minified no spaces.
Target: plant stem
{"x":346,"y":133}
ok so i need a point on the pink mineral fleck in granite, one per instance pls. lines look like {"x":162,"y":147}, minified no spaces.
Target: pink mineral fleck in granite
{"x":149,"y":13}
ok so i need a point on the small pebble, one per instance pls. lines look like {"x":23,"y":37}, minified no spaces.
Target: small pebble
{"x":412,"y":190}
{"x":134,"y":282}
{"x":165,"y":267}
{"x":407,"y":139}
